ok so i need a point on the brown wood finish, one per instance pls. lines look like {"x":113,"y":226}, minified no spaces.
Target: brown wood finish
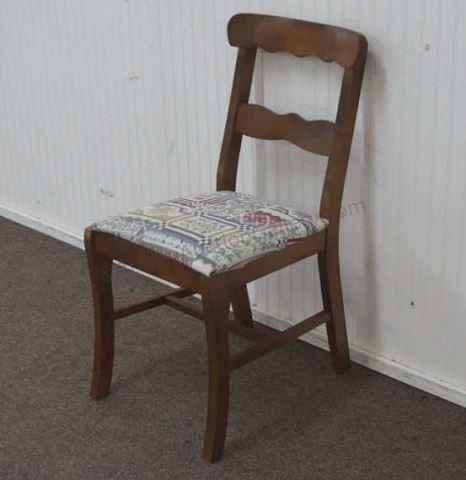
{"x":139,"y":307}
{"x":259,"y":122}
{"x":298,"y":37}
{"x":196,"y":311}
{"x":100,"y":268}
{"x":231,"y":145}
{"x":241,"y":306}
{"x":216,"y":303}
{"x":218,"y":292}
{"x":282,"y":338}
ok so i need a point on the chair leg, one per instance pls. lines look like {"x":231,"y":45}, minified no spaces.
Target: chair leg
{"x":242,"y":307}
{"x":332,"y":297}
{"x":100,"y":269}
{"x":216,"y":307}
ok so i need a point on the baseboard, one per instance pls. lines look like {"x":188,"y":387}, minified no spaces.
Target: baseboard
{"x":42,"y":226}
{"x":388,"y":367}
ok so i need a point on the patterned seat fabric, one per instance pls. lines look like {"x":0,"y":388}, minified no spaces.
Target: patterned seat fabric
{"x":215,"y":232}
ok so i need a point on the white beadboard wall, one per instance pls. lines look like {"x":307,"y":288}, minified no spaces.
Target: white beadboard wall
{"x":107,"y":105}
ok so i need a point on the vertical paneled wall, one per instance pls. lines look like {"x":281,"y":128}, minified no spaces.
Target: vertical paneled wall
{"x":109,"y":104}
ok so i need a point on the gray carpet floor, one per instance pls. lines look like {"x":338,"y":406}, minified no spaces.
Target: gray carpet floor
{"x":291,"y":417}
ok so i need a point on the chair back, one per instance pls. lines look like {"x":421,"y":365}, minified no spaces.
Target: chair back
{"x":331,"y":139}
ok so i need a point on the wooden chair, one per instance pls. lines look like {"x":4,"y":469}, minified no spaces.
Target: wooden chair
{"x":227,"y":287}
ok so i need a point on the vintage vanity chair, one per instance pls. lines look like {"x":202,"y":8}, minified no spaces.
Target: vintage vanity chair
{"x":215,"y":244}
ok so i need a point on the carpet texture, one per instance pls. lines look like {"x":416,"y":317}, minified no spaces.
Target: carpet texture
{"x":291,"y":417}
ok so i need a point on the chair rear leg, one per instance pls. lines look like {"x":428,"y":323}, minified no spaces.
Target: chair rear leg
{"x":100,"y":269}
{"x":332,"y":298}
{"x":216,"y":307}
{"x":242,"y":306}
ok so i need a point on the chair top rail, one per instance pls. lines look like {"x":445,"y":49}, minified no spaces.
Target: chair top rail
{"x":298,"y":37}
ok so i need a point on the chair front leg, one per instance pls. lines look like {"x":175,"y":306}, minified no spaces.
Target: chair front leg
{"x":332,"y":298}
{"x":242,"y":306}
{"x":100,"y":269}
{"x":216,"y":307}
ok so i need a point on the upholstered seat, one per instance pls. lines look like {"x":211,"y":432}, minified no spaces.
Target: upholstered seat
{"x":215,"y":232}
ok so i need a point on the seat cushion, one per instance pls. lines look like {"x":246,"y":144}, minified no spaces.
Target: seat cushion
{"x":215,"y":232}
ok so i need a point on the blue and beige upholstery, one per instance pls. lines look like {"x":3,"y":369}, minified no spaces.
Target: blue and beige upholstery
{"x":213,"y":233}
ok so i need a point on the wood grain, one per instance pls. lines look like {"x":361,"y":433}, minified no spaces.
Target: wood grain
{"x":298,"y":37}
{"x":315,"y":136}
